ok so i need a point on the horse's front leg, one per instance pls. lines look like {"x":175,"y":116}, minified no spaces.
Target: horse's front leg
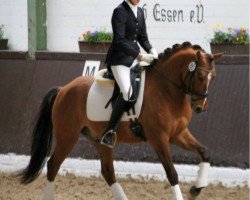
{"x":162,"y":149}
{"x":107,"y":170}
{"x":188,"y":142}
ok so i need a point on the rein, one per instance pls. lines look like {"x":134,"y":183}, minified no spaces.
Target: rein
{"x":187,"y":89}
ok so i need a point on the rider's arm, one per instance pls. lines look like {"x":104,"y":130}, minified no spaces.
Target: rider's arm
{"x":143,"y":36}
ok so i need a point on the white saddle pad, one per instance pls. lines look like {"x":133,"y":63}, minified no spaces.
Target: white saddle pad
{"x":98,"y":97}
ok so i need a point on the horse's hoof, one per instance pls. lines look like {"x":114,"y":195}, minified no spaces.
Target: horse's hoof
{"x":194,"y":192}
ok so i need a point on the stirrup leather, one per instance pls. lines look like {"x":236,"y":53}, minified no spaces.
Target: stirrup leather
{"x":107,"y":139}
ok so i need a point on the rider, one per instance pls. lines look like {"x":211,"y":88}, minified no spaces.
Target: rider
{"x":129,"y":27}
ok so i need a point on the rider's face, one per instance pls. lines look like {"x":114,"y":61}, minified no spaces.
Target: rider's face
{"x":134,"y":2}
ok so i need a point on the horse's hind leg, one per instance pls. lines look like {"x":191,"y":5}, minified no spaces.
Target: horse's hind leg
{"x":64,"y":144}
{"x":188,"y":142}
{"x":107,"y":170}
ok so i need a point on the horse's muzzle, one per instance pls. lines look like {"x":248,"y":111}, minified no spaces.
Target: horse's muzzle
{"x":198,"y":109}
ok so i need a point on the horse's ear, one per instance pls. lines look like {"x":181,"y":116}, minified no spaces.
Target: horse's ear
{"x":217,"y":55}
{"x":198,"y":54}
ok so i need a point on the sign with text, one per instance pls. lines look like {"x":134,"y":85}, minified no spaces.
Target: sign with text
{"x":168,"y":22}
{"x":171,"y":22}
{"x":194,"y":13}
{"x":91,"y":67}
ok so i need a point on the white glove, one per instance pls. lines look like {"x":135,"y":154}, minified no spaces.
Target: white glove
{"x":154,"y":53}
{"x":149,"y":58}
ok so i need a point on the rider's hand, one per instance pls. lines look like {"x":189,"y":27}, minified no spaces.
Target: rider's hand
{"x":154,"y":53}
{"x":146,"y":57}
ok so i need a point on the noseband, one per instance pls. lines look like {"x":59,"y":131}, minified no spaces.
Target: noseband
{"x":188,"y":89}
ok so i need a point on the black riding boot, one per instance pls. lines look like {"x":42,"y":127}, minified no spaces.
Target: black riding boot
{"x":118,"y":110}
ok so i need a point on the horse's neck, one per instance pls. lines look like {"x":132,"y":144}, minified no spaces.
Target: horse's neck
{"x":163,"y":88}
{"x":174,"y":66}
{"x":162,"y":99}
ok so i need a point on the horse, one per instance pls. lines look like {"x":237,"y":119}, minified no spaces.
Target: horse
{"x":176,"y":84}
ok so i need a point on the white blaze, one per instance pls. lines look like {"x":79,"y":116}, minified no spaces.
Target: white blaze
{"x":209,"y":76}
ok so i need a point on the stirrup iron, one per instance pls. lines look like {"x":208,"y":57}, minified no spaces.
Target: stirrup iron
{"x":107,"y":139}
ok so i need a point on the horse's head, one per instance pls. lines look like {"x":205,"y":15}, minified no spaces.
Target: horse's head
{"x":190,"y":69}
{"x":200,"y":73}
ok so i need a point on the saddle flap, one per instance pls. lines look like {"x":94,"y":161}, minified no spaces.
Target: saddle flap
{"x":98,"y":97}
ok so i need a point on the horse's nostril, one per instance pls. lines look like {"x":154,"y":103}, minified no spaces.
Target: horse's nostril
{"x":198,"y":109}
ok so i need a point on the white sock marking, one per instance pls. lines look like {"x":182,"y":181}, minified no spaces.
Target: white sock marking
{"x":118,"y":192}
{"x":176,"y":192}
{"x":49,"y":191}
{"x":202,"y":175}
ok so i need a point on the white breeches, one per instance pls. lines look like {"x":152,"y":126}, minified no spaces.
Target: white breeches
{"x":122,"y":77}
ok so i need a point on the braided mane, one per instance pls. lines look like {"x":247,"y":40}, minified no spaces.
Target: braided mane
{"x":177,"y":47}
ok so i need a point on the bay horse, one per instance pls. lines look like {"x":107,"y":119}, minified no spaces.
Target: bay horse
{"x":175,"y":84}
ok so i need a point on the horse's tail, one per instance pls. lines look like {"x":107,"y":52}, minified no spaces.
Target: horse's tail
{"x":42,"y":138}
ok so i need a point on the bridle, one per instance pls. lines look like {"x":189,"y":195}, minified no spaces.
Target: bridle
{"x":188,"y":88}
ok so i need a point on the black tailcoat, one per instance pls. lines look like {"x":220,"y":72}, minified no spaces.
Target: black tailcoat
{"x":127,"y":31}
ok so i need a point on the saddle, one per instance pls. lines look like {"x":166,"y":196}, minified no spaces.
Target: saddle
{"x":135,"y":77}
